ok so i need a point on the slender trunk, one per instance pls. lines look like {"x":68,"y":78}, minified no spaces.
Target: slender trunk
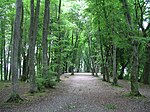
{"x":14,"y":59}
{"x":114,"y":66}
{"x":101,"y":52}
{"x":16,"y":40}
{"x":2,"y":47}
{"x":4,"y":51}
{"x":20,"y":44}
{"x":32,"y":42}
{"x":39,"y":57}
{"x":123,"y":66}
{"x":44,"y":38}
{"x":32,"y":50}
{"x":8,"y":58}
{"x":24,"y":75}
{"x":59,"y":43}
{"x":72,"y":44}
{"x":106,"y":65}
{"x":75,"y":52}
{"x":1,"y":67}
{"x":102,"y":56}
{"x":10,"y":47}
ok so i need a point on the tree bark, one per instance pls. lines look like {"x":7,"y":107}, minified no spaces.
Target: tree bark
{"x":146,"y":73}
{"x":14,"y":59}
{"x":59,"y":44}
{"x":123,"y":66}
{"x":32,"y":42}
{"x":101,"y":52}
{"x":140,"y":10}
{"x":3,"y":50}
{"x":1,"y":67}
{"x":74,"y":52}
{"x":134,"y":73}
{"x":134,"y":68}
{"x":114,"y":66}
{"x":10,"y":47}
{"x":44,"y":37}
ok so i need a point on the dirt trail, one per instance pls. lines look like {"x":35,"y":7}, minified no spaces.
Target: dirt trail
{"x":85,"y":93}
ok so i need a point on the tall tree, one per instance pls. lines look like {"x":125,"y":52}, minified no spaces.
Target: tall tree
{"x":32,"y":42}
{"x":134,"y":69}
{"x":58,"y":69}
{"x":44,"y":39}
{"x":14,"y":59}
{"x":142,"y":15}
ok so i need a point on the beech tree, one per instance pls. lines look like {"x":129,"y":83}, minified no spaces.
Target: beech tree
{"x":32,"y":42}
{"x":45,"y":36}
{"x":135,"y":62}
{"x":14,"y":57}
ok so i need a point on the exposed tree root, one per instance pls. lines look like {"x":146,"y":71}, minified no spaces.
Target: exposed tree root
{"x":137,"y":94}
{"x":14,"y":98}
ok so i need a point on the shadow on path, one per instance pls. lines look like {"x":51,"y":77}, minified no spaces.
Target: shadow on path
{"x":84,"y":93}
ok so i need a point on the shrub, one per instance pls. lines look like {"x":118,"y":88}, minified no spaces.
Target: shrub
{"x":48,"y":81}
{"x":40,"y":83}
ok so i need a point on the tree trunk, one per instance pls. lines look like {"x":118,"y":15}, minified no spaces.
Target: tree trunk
{"x":10,"y":48}
{"x":134,"y":69}
{"x":101,"y":52}
{"x":74,"y":53}
{"x":107,"y":64}
{"x":32,"y":42}
{"x":3,"y":50}
{"x":1,"y":67}
{"x":44,"y":38}
{"x":25,"y":68}
{"x":123,"y":66}
{"x":114,"y":66}
{"x":146,"y":73}
{"x":134,"y":73}
{"x":14,"y":59}
{"x":59,"y":43}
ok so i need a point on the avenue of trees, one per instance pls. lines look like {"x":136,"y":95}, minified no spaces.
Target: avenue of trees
{"x":42,"y":39}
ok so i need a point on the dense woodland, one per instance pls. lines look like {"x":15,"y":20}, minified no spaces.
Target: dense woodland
{"x":42,"y":39}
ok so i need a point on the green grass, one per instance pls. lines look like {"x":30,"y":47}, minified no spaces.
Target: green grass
{"x":32,"y":97}
{"x":119,"y":86}
{"x":129,"y":95}
{"x":4,"y":84}
{"x":111,"y":106}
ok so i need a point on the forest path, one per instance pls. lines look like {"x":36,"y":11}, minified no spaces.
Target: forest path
{"x":85,"y":93}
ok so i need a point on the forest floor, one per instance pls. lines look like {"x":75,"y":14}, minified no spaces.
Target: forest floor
{"x":79,"y":93}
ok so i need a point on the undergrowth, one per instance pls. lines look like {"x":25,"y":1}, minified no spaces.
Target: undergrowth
{"x":48,"y":81}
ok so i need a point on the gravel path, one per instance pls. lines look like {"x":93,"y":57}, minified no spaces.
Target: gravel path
{"x":85,"y":93}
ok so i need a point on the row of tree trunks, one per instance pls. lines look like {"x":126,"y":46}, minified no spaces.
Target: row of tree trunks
{"x":5,"y":53}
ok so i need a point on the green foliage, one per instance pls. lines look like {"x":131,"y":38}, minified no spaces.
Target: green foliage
{"x":48,"y":81}
{"x":132,"y":96}
{"x":40,"y":83}
{"x":4,"y":84}
{"x":111,"y":106}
